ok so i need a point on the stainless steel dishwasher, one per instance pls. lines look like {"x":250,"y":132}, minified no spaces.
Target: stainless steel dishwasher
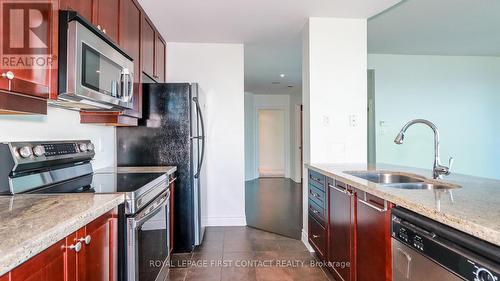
{"x":425,"y":250}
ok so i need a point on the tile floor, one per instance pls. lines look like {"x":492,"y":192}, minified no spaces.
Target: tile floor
{"x":246,"y":254}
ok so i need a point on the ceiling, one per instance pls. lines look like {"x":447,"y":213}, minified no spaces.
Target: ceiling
{"x":270,"y":30}
{"x":444,"y":27}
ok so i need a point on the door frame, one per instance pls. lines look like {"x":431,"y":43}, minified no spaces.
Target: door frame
{"x":286,"y":136}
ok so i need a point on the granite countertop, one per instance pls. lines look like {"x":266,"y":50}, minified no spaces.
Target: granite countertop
{"x":30,"y":224}
{"x":146,"y":169}
{"x":474,"y":208}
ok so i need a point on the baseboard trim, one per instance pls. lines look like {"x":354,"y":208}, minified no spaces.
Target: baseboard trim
{"x":226,"y":221}
{"x":305,"y":240}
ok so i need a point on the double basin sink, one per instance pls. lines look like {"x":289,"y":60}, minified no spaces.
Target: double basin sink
{"x":401,"y":181}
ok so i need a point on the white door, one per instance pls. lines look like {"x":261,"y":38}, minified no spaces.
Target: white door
{"x":271,"y":143}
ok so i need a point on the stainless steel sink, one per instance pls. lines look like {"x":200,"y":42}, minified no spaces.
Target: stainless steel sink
{"x":385,"y":177}
{"x":423,"y":185}
{"x":397,"y":180}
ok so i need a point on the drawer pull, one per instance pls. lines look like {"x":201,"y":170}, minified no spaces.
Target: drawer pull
{"x":315,"y":179}
{"x":315,"y":211}
{"x":345,"y":191}
{"x":382,"y":210}
{"x":314,"y":194}
{"x":315,"y":236}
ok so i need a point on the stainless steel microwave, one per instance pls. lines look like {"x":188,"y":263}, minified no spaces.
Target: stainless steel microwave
{"x":94,"y":73}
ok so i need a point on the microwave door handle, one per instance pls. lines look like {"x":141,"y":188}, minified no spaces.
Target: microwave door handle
{"x":130,"y":87}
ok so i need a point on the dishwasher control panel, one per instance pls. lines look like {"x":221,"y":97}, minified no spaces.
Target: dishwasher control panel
{"x":443,"y":250}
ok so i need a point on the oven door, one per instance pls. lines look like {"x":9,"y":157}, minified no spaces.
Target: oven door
{"x":148,"y":241}
{"x":97,"y":73}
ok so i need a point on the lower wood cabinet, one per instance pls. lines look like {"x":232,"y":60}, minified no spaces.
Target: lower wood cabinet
{"x":347,"y":225}
{"x":342,"y":214}
{"x":373,"y":238}
{"x":88,"y":254}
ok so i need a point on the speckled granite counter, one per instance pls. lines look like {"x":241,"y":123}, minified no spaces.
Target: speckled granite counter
{"x":474,"y":208}
{"x":30,"y":224}
{"x":151,"y":169}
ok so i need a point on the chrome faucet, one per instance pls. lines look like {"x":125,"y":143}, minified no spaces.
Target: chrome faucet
{"x":438,"y":169}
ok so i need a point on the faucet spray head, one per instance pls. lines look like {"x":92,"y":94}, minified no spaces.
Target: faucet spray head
{"x":399,"y":138}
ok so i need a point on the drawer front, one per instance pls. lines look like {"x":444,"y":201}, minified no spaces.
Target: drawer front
{"x":317,"y":179}
{"x":317,"y":237}
{"x":317,"y":212}
{"x":317,"y":195}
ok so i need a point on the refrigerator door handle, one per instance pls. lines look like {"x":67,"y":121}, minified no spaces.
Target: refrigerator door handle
{"x":202,"y":137}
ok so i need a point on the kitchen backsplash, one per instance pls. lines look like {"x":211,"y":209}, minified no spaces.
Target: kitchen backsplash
{"x":61,"y":124}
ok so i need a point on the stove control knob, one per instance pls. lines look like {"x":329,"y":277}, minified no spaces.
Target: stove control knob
{"x":83,"y":147}
{"x":25,"y":152}
{"x":484,"y":275}
{"x":39,"y":150}
{"x":90,"y":146}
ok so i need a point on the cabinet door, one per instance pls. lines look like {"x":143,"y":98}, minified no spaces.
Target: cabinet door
{"x":96,"y":260}
{"x":130,"y":41}
{"x":4,"y":277}
{"x":373,"y":238}
{"x":83,"y":7}
{"x":160,"y":52}
{"x":29,"y":67}
{"x":148,"y":47}
{"x":46,"y":266}
{"x":107,"y":17}
{"x":341,"y":231}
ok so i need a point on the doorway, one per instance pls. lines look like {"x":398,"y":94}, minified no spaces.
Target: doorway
{"x":372,"y":154}
{"x":271,"y":143}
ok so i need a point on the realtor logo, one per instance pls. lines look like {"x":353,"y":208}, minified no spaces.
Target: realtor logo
{"x":26,"y":34}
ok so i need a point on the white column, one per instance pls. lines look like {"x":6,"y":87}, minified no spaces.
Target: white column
{"x":334,"y":74}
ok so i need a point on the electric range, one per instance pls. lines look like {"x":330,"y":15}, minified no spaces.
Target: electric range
{"x":65,"y":167}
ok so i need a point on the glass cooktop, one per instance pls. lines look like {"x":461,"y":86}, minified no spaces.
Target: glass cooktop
{"x":103,"y":183}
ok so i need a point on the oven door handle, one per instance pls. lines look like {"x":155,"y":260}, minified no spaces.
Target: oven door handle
{"x":149,"y":212}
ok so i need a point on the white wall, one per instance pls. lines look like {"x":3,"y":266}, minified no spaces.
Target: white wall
{"x":61,"y":124}
{"x":460,"y":94}
{"x":254,"y":102}
{"x":334,"y":91}
{"x":218,"y":68}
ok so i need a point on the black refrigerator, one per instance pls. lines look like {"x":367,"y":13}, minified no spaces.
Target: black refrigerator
{"x":172,"y":133}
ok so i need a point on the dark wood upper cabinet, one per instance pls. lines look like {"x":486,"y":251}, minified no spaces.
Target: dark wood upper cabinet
{"x":4,"y":277}
{"x":160,"y":53}
{"x":148,"y":47}
{"x":130,"y":41}
{"x":373,"y":238}
{"x":341,"y":229}
{"x":83,"y":7}
{"x":107,"y":13}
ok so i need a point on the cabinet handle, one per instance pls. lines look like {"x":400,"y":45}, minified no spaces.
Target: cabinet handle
{"x":98,"y":27}
{"x":104,"y":31}
{"x":345,"y":191}
{"x":9,"y":75}
{"x":382,"y":210}
{"x":315,"y":195}
{"x":86,"y":239}
{"x":315,"y":179}
{"x":77,"y":247}
{"x":315,"y":236}
{"x":314,"y":211}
